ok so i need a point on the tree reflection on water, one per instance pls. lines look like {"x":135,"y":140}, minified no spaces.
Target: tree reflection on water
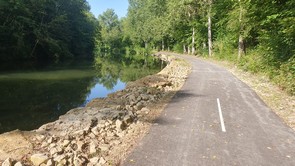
{"x":31,"y":98}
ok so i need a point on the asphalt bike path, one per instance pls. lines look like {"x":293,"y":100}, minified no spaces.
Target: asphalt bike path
{"x":215,"y":119}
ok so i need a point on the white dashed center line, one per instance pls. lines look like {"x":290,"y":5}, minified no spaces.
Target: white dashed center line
{"x":220,"y":116}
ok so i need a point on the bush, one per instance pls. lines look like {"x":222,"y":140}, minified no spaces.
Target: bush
{"x":286,"y":76}
{"x":283,"y":74}
{"x":178,"y":48}
{"x":252,"y":62}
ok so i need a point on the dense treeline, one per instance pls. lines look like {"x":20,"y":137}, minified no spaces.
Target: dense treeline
{"x":46,"y":30}
{"x":257,"y":35}
{"x":125,"y":68}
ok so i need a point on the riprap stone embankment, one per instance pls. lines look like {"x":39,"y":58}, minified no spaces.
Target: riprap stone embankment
{"x":101,"y":132}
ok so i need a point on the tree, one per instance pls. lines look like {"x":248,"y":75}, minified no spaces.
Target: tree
{"x":241,"y":44}
{"x":209,"y":28}
{"x":45,"y":30}
{"x":110,"y":30}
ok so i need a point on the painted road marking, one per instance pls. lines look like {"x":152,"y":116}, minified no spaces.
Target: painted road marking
{"x":221,"y":117}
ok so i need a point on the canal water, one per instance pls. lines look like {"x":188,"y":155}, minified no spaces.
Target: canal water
{"x":31,"y":98}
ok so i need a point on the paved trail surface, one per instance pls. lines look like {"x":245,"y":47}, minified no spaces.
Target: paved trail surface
{"x":189,"y":130}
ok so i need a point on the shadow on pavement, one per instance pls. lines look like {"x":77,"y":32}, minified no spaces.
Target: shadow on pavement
{"x":183,"y":94}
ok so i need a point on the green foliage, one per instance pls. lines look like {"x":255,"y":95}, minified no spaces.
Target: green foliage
{"x":146,"y":23}
{"x":286,"y":76}
{"x":45,"y":30}
{"x":59,"y":29}
{"x":110,"y":33}
{"x":253,"y":62}
{"x":126,"y":68}
{"x":262,"y":32}
{"x":268,"y":31}
{"x":225,"y":47}
{"x":178,"y":48}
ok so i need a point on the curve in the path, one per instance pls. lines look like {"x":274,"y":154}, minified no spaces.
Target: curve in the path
{"x":189,"y":132}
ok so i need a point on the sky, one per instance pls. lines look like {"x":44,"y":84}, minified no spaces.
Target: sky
{"x":100,"y":91}
{"x":100,"y":6}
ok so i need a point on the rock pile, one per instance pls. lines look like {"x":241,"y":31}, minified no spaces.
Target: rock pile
{"x":86,"y":136}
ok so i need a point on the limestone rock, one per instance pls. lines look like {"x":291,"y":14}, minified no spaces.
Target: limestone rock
{"x":92,"y":148}
{"x":120,"y":125}
{"x":128,"y":119}
{"x":101,"y":125}
{"x":145,"y":110}
{"x":44,"y":144}
{"x":38,"y":159}
{"x":120,"y":134}
{"x":18,"y":164}
{"x":56,"y":150}
{"x":102,"y":161}
{"x":107,"y":123}
{"x":52,"y":145}
{"x":131,"y":97}
{"x":104,"y":147}
{"x":128,"y":108}
{"x":152,"y":98}
{"x":80,"y":145}
{"x":144,"y":97}
{"x":119,"y":107}
{"x":139,"y":106}
{"x":50,"y":162}
{"x":94,"y":160}
{"x":110,"y":133}
{"x":79,"y":160}
{"x":93,"y":122}
{"x":66,"y":143}
{"x":139,"y":98}
{"x":61,"y":159}
{"x":79,"y":132}
{"x":7,"y":162}
{"x":40,"y":138}
{"x":95,"y":131}
{"x":116,"y":142}
{"x":51,"y":140}
{"x":14,"y":145}
{"x":91,"y":135}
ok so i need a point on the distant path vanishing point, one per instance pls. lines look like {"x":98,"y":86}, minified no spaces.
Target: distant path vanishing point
{"x":215,"y":119}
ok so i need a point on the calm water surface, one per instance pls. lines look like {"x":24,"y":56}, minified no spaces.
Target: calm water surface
{"x":32,"y":98}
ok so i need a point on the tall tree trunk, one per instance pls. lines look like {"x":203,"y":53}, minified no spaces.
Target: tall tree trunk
{"x":184,"y":49}
{"x":209,"y":29}
{"x":193,"y":41}
{"x":37,"y":40}
{"x":163,"y":45}
{"x":188,"y":50}
{"x":146,"y":47}
{"x":242,"y":49}
{"x":34,"y":48}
